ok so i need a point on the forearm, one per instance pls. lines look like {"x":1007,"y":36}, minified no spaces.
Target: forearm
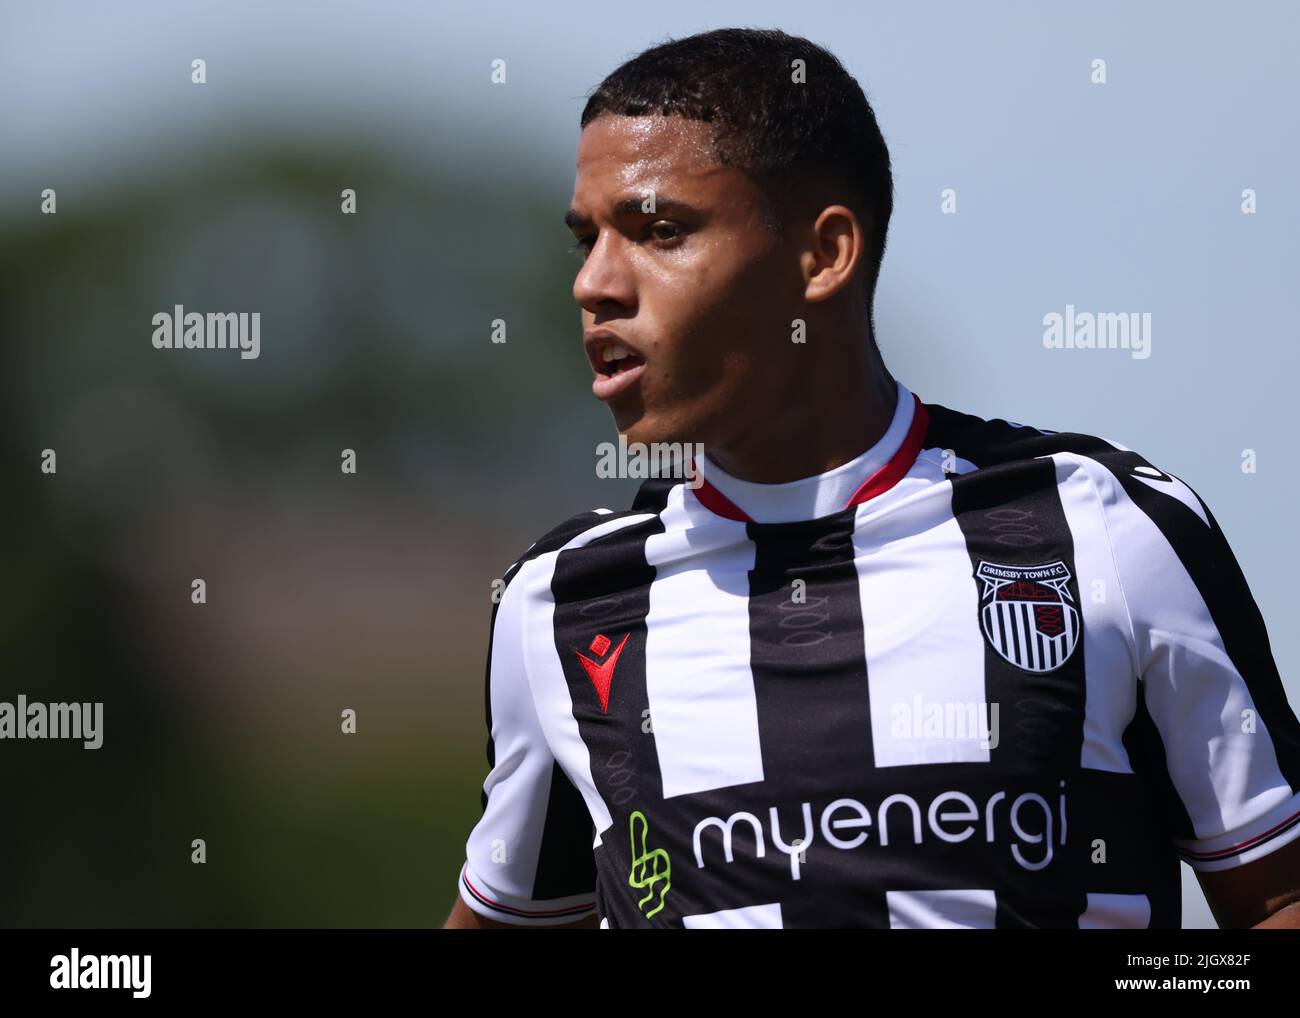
{"x":1285,"y":918}
{"x":463,"y":917}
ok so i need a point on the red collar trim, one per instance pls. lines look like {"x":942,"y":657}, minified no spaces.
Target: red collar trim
{"x":877,"y":484}
{"x":711,"y":498}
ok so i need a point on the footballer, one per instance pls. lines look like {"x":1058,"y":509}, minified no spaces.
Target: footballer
{"x":875,"y":662}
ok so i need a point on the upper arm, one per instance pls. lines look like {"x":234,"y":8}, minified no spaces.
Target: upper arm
{"x":529,"y":858}
{"x":1231,"y":739}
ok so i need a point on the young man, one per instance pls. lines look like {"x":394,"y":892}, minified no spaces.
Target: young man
{"x":890,"y":665}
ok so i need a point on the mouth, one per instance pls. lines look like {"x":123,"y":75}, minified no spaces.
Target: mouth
{"x":618,"y":372}
{"x":617,"y":367}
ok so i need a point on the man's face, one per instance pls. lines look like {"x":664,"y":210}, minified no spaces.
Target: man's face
{"x":698,"y":290}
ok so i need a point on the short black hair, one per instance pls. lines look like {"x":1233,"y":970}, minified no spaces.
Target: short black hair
{"x":777,"y":130}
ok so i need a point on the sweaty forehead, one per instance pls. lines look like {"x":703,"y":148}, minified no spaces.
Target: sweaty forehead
{"x":646,"y":152}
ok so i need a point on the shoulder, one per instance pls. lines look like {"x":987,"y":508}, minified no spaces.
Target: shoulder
{"x":1117,"y":471}
{"x":557,"y":537}
{"x":513,"y":598}
{"x":588,"y":523}
{"x":994,"y":441}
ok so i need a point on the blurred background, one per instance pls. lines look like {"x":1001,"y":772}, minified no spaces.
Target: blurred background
{"x":372,"y":591}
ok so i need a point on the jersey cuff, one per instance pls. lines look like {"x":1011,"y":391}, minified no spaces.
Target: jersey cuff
{"x":507,"y":908}
{"x":1249,"y":842}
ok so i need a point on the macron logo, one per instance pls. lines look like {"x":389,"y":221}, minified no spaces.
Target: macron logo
{"x":1168,"y":484}
{"x":602,"y":675}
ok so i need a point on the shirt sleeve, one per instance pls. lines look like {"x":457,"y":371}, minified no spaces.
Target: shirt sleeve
{"x":1231,"y":740}
{"x":529,"y":858}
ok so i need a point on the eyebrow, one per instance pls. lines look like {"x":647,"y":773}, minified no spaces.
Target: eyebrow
{"x":574,"y":219}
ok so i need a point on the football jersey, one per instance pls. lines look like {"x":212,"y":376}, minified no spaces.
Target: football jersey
{"x":983,"y":675}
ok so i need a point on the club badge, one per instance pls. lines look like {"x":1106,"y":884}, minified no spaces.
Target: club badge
{"x":1028,"y":614}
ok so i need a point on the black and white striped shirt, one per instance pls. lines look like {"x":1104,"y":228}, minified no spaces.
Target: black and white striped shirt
{"x":1008,"y":681}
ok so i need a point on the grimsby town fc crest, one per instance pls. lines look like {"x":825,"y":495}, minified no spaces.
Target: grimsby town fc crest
{"x":1028,"y":614}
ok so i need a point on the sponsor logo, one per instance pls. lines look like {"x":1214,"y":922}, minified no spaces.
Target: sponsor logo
{"x":1026,"y":822}
{"x":650,"y":866}
{"x":1027,"y":614}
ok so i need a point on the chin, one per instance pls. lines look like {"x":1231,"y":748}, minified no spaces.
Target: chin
{"x":696,"y":424}
{"x":659,"y":447}
{"x":648,"y":430}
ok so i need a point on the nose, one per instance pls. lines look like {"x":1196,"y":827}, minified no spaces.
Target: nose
{"x":605,"y":277}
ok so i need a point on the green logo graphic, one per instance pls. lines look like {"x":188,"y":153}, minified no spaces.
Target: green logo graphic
{"x":649,"y":866}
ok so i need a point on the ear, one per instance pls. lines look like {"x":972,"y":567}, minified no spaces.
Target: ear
{"x":837,"y":248}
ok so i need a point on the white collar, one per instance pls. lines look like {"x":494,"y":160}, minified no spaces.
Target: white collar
{"x":821,"y":494}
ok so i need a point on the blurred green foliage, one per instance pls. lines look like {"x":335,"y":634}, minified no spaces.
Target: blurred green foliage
{"x":325,"y":591}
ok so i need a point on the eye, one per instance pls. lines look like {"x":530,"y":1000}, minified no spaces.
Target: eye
{"x":582,"y":247}
{"x":672,"y":230}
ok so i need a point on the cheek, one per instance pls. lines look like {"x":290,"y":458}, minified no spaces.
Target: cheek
{"x":713,"y":315}
{"x":709,"y":277}
{"x":710,"y":305}
{"x":703,"y":380}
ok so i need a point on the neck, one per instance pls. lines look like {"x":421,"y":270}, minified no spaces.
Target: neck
{"x":825,"y":419}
